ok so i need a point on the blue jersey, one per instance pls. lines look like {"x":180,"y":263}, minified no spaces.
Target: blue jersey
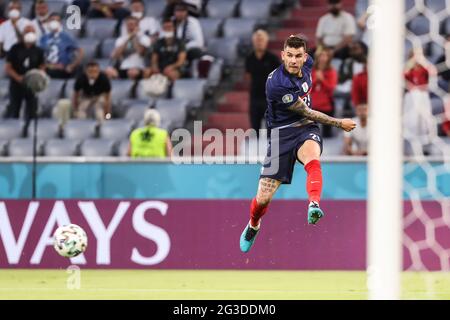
{"x":283,"y":90}
{"x":59,"y":48}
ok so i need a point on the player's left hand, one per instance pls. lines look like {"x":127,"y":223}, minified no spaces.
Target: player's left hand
{"x":348,"y":124}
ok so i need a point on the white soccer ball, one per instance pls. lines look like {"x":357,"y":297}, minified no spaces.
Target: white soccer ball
{"x":70,"y":240}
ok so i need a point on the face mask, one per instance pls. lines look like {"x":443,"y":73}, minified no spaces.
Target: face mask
{"x":54,"y":25}
{"x":137,"y":14}
{"x":91,"y":82}
{"x":14,"y":14}
{"x":168,"y":34}
{"x":30,"y":37}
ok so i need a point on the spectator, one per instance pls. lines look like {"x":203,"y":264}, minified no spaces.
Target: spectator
{"x":324,"y":82}
{"x":360,"y":84}
{"x":113,"y":9}
{"x":150,"y":140}
{"x":354,"y":63}
{"x":258,"y":65}
{"x":41,"y":19}
{"x":189,"y":30}
{"x":417,"y":113}
{"x":195,"y":8}
{"x":22,"y":57}
{"x":147,"y":25}
{"x":129,"y":52}
{"x":336,"y":29}
{"x":92,"y":94}
{"x":62,"y":53}
{"x":11,"y":30}
{"x":169,"y":54}
{"x":355,"y":141}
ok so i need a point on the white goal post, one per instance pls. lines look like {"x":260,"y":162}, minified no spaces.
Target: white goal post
{"x":384,"y":223}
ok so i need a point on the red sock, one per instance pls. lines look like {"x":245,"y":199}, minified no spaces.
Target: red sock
{"x":256,"y":212}
{"x":313,"y":180}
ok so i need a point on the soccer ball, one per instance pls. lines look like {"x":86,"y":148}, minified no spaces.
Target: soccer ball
{"x":70,"y":240}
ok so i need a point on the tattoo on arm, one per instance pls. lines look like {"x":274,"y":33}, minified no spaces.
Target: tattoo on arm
{"x":301,"y":108}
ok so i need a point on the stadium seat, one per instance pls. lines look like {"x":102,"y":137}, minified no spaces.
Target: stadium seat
{"x":57,"y":6}
{"x":2,"y":69}
{"x":116,"y":129}
{"x":4,"y":89}
{"x":11,"y":129}
{"x":120,"y":89}
{"x":3,"y":148}
{"x":136,"y":111}
{"x":100,"y":29}
{"x":97,"y":148}
{"x":172,"y":110}
{"x":241,"y":28}
{"x":3,"y":107}
{"x":90,"y":48}
{"x":192,"y":90}
{"x":104,"y":63}
{"x":211,"y":27}
{"x":215,"y":73}
{"x":258,"y":9}
{"x":221,"y":9}
{"x":49,"y":97}
{"x":107,"y":47}
{"x":361,"y":7}
{"x":419,"y":25}
{"x":26,"y":9}
{"x":333,"y":146}
{"x":225,"y":48}
{"x":61,"y":147}
{"x":78,"y":129}
{"x":154,"y":8}
{"x":23,"y":148}
{"x":435,"y":5}
{"x":122,"y":148}
{"x":46,"y":129}
{"x":68,"y":88}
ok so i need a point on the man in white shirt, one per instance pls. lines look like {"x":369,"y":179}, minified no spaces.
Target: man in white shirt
{"x":355,"y":141}
{"x":11,"y":30}
{"x":147,"y":25}
{"x":336,"y":29}
{"x":129,"y":52}
{"x":189,"y":30}
{"x":42,"y":18}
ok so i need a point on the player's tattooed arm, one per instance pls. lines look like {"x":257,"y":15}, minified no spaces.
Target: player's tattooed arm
{"x":300,"y":107}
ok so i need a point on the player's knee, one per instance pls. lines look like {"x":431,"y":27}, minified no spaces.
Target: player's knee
{"x":264,"y":200}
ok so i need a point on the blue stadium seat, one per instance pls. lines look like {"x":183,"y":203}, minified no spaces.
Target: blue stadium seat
{"x":78,"y":129}
{"x":90,"y":48}
{"x":11,"y":129}
{"x":136,"y":111}
{"x":116,"y":129}
{"x":435,"y":5}
{"x":215,"y":73}
{"x":57,"y":6}
{"x":68,"y":88}
{"x":121,"y":109}
{"x":23,"y":148}
{"x":225,"y":48}
{"x":221,"y":9}
{"x":122,"y":148}
{"x":361,"y":7}
{"x":61,"y":148}
{"x":258,"y":9}
{"x":97,"y":148}
{"x":172,"y":110}
{"x":26,"y":9}
{"x":104,"y":63}
{"x":106,"y":48}
{"x":3,"y":107}
{"x":100,"y":29}
{"x":120,"y":89}
{"x":46,"y":129}
{"x":192,"y":90}
{"x":239,"y":28}
{"x":49,"y":97}
{"x":4,"y":89}
{"x":2,"y":69}
{"x":211,"y":27}
{"x":3,"y":147}
{"x":419,"y":25}
{"x":154,"y":8}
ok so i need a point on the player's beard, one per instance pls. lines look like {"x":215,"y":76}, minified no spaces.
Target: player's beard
{"x":293,"y":71}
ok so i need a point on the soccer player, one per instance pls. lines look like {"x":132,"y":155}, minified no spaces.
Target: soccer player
{"x":293,"y":136}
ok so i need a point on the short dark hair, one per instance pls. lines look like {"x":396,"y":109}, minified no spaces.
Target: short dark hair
{"x":295,"y":42}
{"x":92,"y":63}
{"x":167,"y":20}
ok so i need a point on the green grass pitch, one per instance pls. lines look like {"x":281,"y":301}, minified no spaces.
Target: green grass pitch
{"x":209,"y":285}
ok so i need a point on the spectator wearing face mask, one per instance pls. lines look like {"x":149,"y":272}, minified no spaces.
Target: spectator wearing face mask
{"x":62,"y":54}
{"x":336,"y":29}
{"x":147,"y":25}
{"x":189,"y":30}
{"x":22,"y":57}
{"x":169,"y":54}
{"x":11,"y":31}
{"x":41,"y":19}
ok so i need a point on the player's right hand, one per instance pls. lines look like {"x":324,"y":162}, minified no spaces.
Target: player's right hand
{"x":348,"y":124}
